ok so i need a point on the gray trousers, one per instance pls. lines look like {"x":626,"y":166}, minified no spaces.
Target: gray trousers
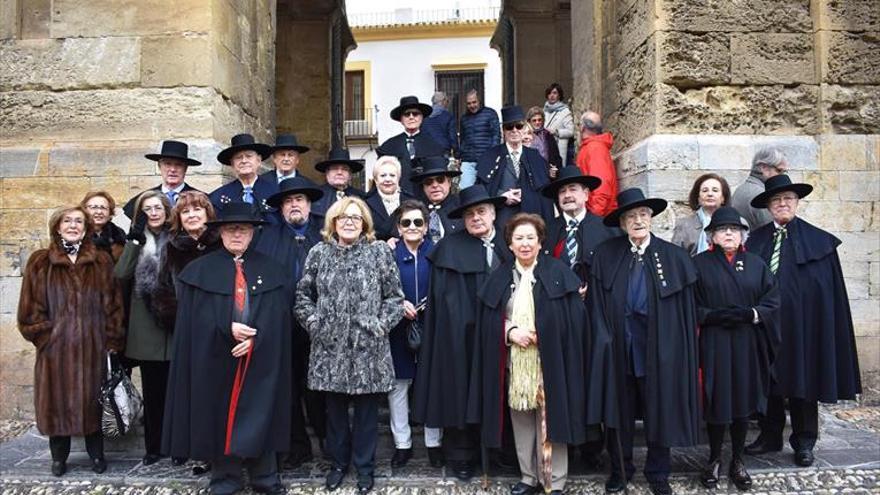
{"x":226,"y":473}
{"x":526,"y":429}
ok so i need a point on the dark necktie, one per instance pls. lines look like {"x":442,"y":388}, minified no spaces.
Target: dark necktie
{"x":340,"y":195}
{"x":434,"y":223}
{"x":571,"y":243}
{"x":778,"y":237}
{"x":411,"y":147}
{"x":514,"y":158}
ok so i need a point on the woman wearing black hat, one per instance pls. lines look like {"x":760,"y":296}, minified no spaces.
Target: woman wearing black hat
{"x":738,"y":311}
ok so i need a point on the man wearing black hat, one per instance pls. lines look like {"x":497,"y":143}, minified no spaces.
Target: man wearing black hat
{"x":288,"y":243}
{"x":337,"y":169}
{"x":232,"y":346}
{"x":285,"y":158}
{"x":173,"y":161}
{"x":460,"y":263}
{"x":514,"y":171}
{"x":245,"y":156}
{"x":817,"y":360}
{"x":411,"y":142}
{"x":435,"y":181}
{"x":643,"y":350}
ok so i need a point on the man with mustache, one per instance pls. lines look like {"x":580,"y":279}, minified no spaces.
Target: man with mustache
{"x":435,"y":180}
{"x":173,"y":161}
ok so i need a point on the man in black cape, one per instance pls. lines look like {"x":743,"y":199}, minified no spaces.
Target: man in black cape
{"x":817,"y":359}
{"x":228,"y":386}
{"x":288,"y":243}
{"x":460,"y":263}
{"x":643,"y":360}
{"x":434,"y":180}
{"x":410,"y":143}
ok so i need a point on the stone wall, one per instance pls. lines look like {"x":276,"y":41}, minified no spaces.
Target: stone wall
{"x":87,"y":88}
{"x":692,"y":86}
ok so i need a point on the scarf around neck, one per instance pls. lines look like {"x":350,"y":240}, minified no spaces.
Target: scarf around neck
{"x":525,"y":363}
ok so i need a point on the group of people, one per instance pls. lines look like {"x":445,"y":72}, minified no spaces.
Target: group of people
{"x":518,"y":315}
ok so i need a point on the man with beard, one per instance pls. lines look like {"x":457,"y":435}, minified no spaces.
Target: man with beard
{"x":288,"y":243}
{"x":173,"y":161}
{"x":435,"y":180}
{"x":461,"y":262}
{"x":245,"y":156}
{"x":411,"y":142}
{"x":285,"y":158}
{"x":337,"y":169}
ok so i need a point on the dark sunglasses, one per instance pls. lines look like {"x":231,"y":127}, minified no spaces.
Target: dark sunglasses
{"x":518,"y":126}
{"x":406,"y":222}
{"x":412,"y":113}
{"x":434,"y":180}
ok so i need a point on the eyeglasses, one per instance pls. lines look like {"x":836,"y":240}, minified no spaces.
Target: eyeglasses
{"x":728,"y":228}
{"x":430,"y":181}
{"x":97,"y":208}
{"x":788,"y":198}
{"x":355,"y":219}
{"x":412,"y":113}
{"x":150,"y":209}
{"x":518,"y":126}
{"x":406,"y":222}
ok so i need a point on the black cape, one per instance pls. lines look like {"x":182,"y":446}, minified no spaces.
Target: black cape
{"x":458,"y":270}
{"x":450,"y":225}
{"x":817,"y":359}
{"x":672,"y":388}
{"x":203,"y":370}
{"x":736,"y":360}
{"x":396,"y":146}
{"x":561,"y":323}
{"x":383,"y":224}
{"x":321,"y":206}
{"x":591,"y":232}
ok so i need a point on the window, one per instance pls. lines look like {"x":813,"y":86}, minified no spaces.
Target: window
{"x":354,"y":95}
{"x":456,"y":84}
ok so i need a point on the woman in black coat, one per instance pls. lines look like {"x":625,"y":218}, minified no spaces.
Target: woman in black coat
{"x":738,"y":309}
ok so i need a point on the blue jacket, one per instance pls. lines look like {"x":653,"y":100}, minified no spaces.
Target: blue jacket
{"x":441,"y":127}
{"x":232,"y":192}
{"x":479,"y":132}
{"x":415,"y":274}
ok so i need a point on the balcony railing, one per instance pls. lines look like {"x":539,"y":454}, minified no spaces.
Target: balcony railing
{"x":418,"y":16}
{"x":360,"y":124}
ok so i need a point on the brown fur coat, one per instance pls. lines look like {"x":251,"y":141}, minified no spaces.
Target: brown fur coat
{"x":72,"y":313}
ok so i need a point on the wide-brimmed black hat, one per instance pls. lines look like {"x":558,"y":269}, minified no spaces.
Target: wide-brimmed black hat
{"x":238,"y":212}
{"x":569,"y":175}
{"x":288,"y":142}
{"x":511,"y":114}
{"x":408,"y":102}
{"x":295,"y":185}
{"x":475,"y":195}
{"x":241,"y":142}
{"x":633,"y":198}
{"x":175,"y":150}
{"x":340,"y":156}
{"x":777,"y":184}
{"x":431,"y":166}
{"x":726,"y":215}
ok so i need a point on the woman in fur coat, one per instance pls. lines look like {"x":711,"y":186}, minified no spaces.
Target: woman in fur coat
{"x":106,"y":235}
{"x":147,"y":344}
{"x":71,"y":310}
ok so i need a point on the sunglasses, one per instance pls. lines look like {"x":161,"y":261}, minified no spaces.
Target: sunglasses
{"x":412,"y":113}
{"x":518,"y":126}
{"x":434,"y":180}
{"x":406,"y":222}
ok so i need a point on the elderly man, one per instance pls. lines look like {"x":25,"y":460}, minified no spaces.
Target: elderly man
{"x":232,"y":358}
{"x":514,"y":171}
{"x":480,"y":130}
{"x":411,"y":142}
{"x":767,"y":163}
{"x":594,"y":158}
{"x":460,"y":263}
{"x":173,"y":161}
{"x":245,"y":155}
{"x":436,"y":183}
{"x":644,"y":348}
{"x":337,"y":169}
{"x":288,"y":243}
{"x":285,"y":158}
{"x":441,"y":125}
{"x":817,"y":359}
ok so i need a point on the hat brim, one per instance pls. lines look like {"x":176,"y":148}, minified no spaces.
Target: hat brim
{"x":712,"y":226}
{"x":426,"y":110}
{"x":551,"y":190}
{"x":761,"y":200}
{"x":313,"y":193}
{"x":420,"y":177}
{"x":188,"y":161}
{"x":225,"y":156}
{"x":297,"y":148}
{"x":656,"y":205}
{"x":497,"y":201}
{"x":225,"y":221}
{"x":354,"y":165}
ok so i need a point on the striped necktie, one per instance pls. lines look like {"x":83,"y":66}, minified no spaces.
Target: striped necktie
{"x":172,"y":197}
{"x":780,"y":234}
{"x":247,"y":194}
{"x":571,"y":243}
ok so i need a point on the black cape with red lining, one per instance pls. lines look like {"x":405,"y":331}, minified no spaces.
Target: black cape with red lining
{"x":203,"y":370}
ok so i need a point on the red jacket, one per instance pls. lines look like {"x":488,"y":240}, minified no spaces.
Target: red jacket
{"x":594,"y":158}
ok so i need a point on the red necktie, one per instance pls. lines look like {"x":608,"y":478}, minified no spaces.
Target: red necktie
{"x":241,"y":368}
{"x":240,"y":285}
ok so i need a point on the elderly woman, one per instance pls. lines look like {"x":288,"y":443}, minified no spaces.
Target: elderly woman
{"x":558,"y":120}
{"x":531,"y":326}
{"x":106,"y":236}
{"x":709,"y":192}
{"x":148,"y":344}
{"x":71,"y":310}
{"x":738,"y":306}
{"x":348,"y":299}
{"x":543,"y":140}
{"x":386,"y":196}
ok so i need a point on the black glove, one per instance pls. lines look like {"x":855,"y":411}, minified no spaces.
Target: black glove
{"x":715,"y":317}
{"x":136,"y":231}
{"x":741,"y":315}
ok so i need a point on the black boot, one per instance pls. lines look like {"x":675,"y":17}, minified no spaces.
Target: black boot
{"x":738,"y":474}
{"x":710,"y":473}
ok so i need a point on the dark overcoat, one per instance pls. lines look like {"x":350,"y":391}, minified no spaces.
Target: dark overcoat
{"x":202,"y":373}
{"x":232,"y":193}
{"x":450,"y":225}
{"x":396,"y":146}
{"x":533,"y":176}
{"x":321,"y":206}
{"x":591,"y":232}
{"x":415,"y":276}
{"x":561,"y":325}
{"x":383,"y":224}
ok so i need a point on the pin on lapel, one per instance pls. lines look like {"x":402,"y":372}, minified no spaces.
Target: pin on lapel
{"x":225,"y":199}
{"x":659,"y":269}
{"x":739,"y":266}
{"x":259,"y":279}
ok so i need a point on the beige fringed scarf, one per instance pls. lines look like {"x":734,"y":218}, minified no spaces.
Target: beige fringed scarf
{"x":525,"y":363}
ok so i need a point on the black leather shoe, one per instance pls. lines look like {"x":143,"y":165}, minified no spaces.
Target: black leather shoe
{"x":99,"y":465}
{"x":365,"y":483}
{"x":464,"y":471}
{"x":710,"y":473}
{"x":762,"y":446}
{"x":660,"y":487}
{"x":151,"y":459}
{"x":59,"y":468}
{"x":334,"y":478}
{"x":201,"y":468}
{"x":738,"y":475}
{"x":435,"y":457}
{"x":178,"y":461}
{"x":615,"y":483}
{"x":804,"y":458}
{"x":296,"y":459}
{"x":401,"y":457}
{"x":523,"y":489}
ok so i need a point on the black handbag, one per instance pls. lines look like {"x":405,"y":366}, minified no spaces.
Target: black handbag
{"x":414,"y":331}
{"x":121,"y":403}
